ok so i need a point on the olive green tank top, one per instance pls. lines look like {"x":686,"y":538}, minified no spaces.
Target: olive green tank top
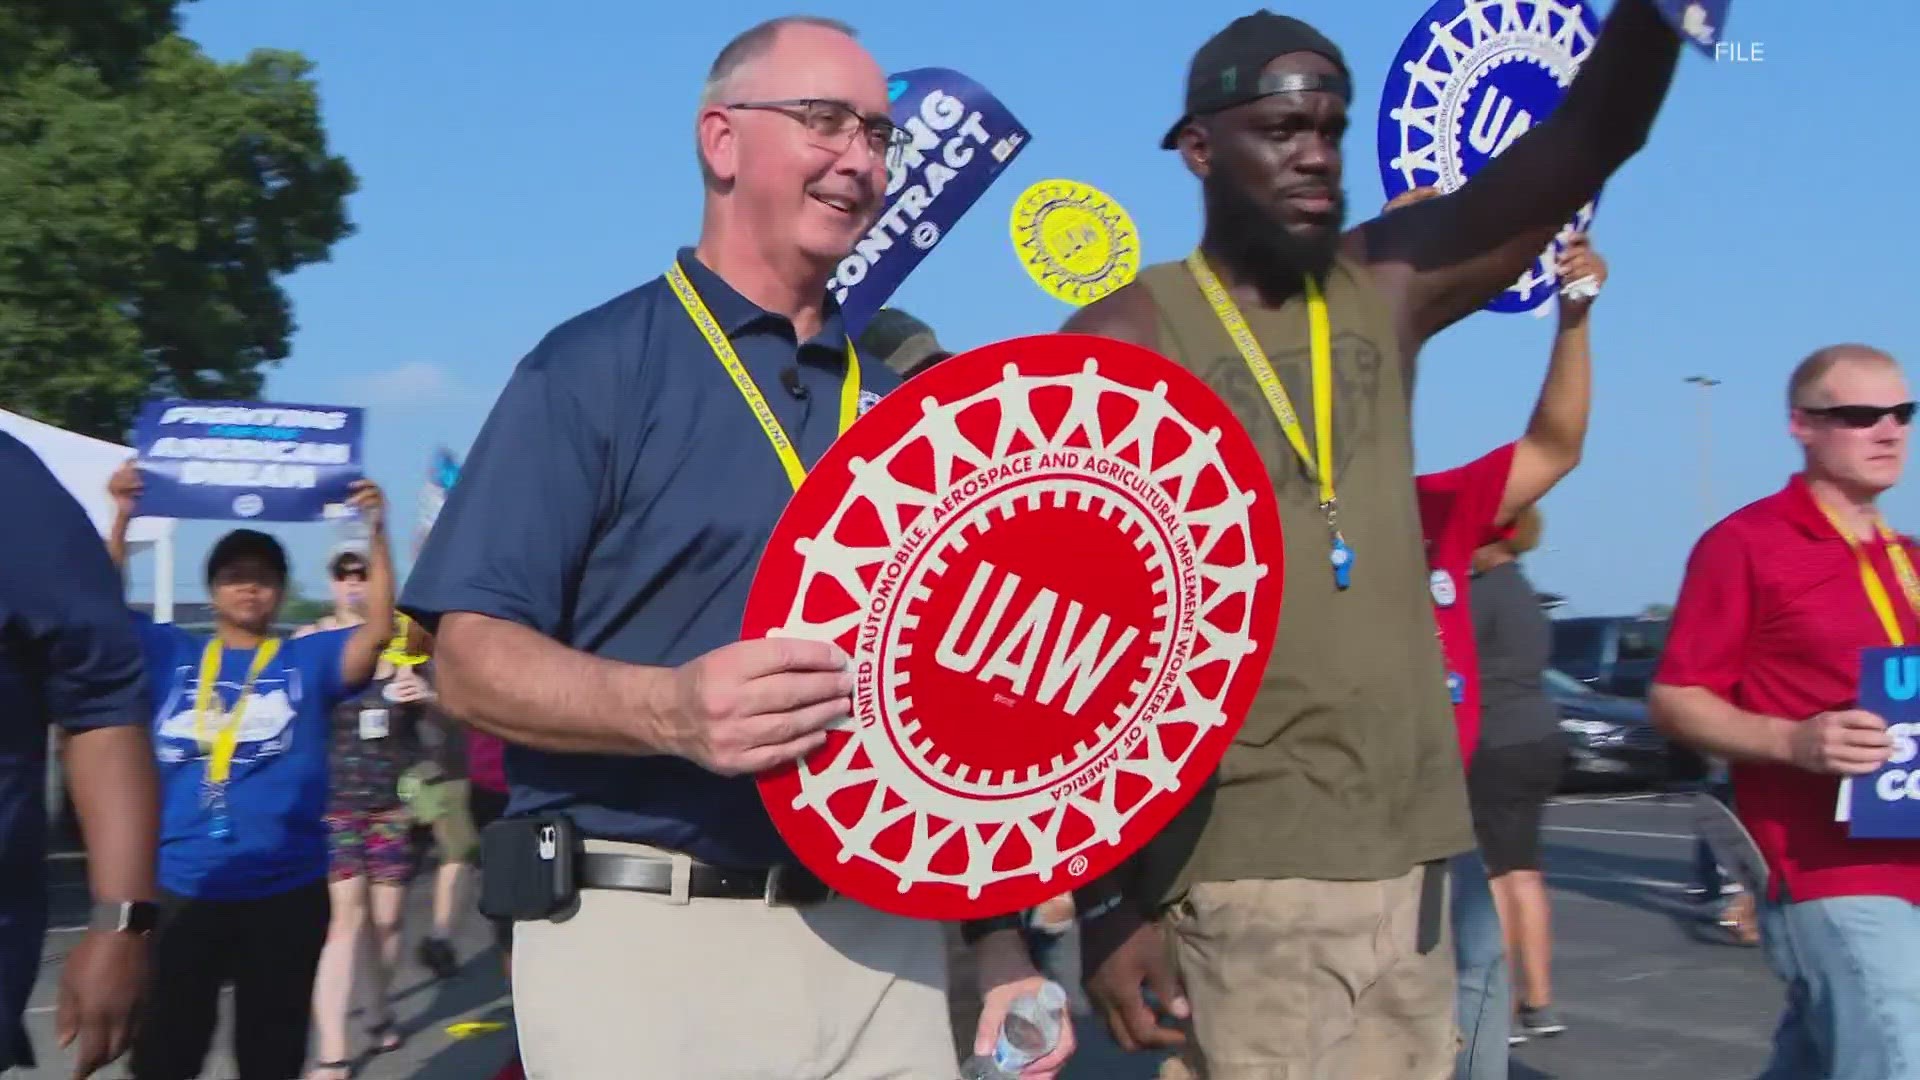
{"x":1348,"y":767}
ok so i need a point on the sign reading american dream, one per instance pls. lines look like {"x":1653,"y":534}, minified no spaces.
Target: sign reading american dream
{"x":1470,"y":78}
{"x":1886,"y":804}
{"x":1056,"y":563}
{"x":963,"y":139}
{"x":257,"y":461}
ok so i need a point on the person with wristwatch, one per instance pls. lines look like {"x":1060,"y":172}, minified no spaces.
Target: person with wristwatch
{"x":70,"y":660}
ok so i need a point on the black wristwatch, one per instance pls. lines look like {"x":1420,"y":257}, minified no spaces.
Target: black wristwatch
{"x":125,"y":916}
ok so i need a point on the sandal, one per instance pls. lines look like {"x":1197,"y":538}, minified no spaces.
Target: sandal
{"x":386,"y":1037}
{"x":331,"y":1070}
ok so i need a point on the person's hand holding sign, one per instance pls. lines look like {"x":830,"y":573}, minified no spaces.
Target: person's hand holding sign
{"x":124,"y":486}
{"x":365,"y":496}
{"x":1582,"y":274}
{"x":754,"y":705}
{"x":1849,"y":742}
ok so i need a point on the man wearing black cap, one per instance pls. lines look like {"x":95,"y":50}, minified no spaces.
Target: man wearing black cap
{"x":1303,"y":890}
{"x":902,"y":342}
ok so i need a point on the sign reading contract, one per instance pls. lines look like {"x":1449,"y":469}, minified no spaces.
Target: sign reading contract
{"x":1886,"y":804}
{"x":251,"y":461}
{"x":962,"y":139}
{"x":1056,"y":563}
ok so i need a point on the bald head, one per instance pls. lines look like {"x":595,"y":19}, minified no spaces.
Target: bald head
{"x":1808,"y":387}
{"x":754,"y":44}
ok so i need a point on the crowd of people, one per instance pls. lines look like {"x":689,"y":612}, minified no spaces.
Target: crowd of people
{"x":1352,"y":894}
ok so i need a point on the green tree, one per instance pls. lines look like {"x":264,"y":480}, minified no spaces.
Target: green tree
{"x":150,"y":201}
{"x":1657,"y":611}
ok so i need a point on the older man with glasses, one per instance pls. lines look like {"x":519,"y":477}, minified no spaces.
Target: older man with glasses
{"x":587,"y":580}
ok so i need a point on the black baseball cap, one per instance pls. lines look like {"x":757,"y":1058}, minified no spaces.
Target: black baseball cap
{"x":901,"y":341}
{"x":1226,"y":70}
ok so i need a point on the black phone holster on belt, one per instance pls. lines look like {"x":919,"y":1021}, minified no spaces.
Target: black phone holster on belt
{"x":529,"y":867}
{"x":1433,"y":906}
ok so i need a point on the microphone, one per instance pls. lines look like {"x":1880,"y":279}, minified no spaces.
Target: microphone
{"x":790,"y":378}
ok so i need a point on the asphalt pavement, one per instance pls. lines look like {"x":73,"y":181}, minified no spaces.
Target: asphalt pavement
{"x":1643,"y":978}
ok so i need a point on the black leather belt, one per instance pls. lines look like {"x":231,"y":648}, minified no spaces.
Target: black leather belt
{"x":651,"y":874}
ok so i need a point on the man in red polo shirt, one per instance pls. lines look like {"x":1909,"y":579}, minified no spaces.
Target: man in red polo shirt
{"x":1762,"y":668}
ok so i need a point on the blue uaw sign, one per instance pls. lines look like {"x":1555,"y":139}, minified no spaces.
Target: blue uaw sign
{"x":1470,"y":78}
{"x":246,"y":460}
{"x":1886,"y":804}
{"x":963,"y":139}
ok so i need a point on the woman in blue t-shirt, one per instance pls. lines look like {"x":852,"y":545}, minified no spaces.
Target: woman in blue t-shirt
{"x":241,"y":730}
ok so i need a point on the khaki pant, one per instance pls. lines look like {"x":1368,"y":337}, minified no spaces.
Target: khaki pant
{"x":1313,"y":980}
{"x":454,"y":834}
{"x":637,"y":986}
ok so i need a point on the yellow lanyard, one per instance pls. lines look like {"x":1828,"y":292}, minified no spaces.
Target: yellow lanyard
{"x":219,"y":749}
{"x":723,"y":351}
{"x":1319,"y":465}
{"x":1870,"y":578}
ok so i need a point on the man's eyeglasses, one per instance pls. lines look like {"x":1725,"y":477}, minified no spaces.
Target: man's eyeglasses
{"x":833,"y":125}
{"x":1863,"y":416}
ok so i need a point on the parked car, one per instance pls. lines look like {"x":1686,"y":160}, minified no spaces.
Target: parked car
{"x":1614,"y":654}
{"x":1611,"y":739}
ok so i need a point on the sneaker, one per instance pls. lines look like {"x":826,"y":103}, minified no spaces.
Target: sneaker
{"x":1517,"y":1034}
{"x":437,"y":956}
{"x":1541,"y":1021}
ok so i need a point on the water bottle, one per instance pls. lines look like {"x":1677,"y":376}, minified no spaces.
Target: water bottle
{"x":1028,"y":1033}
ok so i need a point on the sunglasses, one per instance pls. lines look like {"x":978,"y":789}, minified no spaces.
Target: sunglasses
{"x":1863,"y":416}
{"x":350,"y":573}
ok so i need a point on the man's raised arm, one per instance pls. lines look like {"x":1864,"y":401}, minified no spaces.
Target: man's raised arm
{"x":1447,"y":257}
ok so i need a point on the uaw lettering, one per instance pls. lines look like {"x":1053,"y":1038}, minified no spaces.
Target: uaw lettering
{"x":1472,"y":77}
{"x":1886,"y":804}
{"x":963,"y":139}
{"x":246,"y":460}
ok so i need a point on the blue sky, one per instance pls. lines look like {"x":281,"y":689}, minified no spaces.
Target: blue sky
{"x":522,"y":162}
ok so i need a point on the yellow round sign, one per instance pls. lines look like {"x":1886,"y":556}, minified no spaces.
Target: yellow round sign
{"x":1075,"y":241}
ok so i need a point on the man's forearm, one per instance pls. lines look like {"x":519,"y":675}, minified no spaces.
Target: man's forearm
{"x":1559,"y":424}
{"x":110,"y":774}
{"x":1704,"y":720}
{"x":1613,"y":101}
{"x":117,"y":540}
{"x":526,"y":688}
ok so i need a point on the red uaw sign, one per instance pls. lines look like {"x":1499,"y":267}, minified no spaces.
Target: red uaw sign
{"x":1056,"y":563}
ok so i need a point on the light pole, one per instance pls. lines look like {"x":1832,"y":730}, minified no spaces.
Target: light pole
{"x":1706,"y":385}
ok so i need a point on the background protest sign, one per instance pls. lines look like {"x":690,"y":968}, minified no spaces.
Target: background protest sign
{"x":247,"y":460}
{"x":1702,"y":22}
{"x":1471,"y":77}
{"x":1886,"y":804}
{"x":442,"y":471}
{"x":963,"y":139}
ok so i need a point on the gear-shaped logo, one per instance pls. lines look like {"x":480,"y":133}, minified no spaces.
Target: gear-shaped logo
{"x":1470,"y":78}
{"x":1075,"y":241}
{"x":1056,"y":562}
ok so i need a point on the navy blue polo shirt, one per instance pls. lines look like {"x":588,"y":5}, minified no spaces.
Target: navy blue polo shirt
{"x":68,"y":656}
{"x":618,"y":500}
